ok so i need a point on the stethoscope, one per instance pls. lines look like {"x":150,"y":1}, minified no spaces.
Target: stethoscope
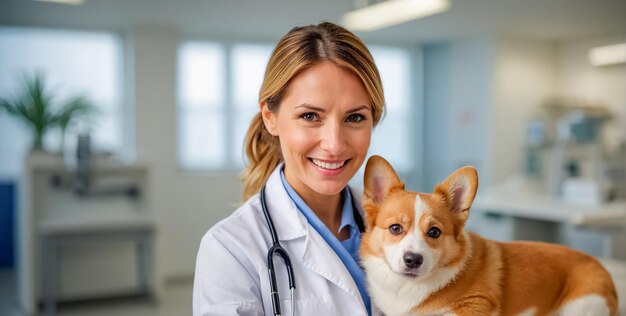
{"x":278,"y":250}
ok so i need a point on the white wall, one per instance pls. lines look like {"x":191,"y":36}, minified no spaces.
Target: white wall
{"x":524,"y":76}
{"x":436,"y":114}
{"x":185,"y":204}
{"x":470,"y":89}
{"x":457,"y":99}
{"x":605,"y":85}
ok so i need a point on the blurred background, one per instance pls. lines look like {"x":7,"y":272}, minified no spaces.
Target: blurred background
{"x":122,"y":122}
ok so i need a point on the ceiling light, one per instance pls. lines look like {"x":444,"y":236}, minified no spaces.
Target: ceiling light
{"x":608,"y":55}
{"x":72,"y":2}
{"x":392,"y":12}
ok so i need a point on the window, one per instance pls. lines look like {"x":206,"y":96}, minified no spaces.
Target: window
{"x":248,"y":66}
{"x":202,"y":117}
{"x":392,"y":137}
{"x":214,"y":117}
{"x":72,"y":63}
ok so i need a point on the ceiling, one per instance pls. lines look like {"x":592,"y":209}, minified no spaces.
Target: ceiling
{"x":555,"y":20}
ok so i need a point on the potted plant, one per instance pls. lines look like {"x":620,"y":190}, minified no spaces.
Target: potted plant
{"x":35,"y":106}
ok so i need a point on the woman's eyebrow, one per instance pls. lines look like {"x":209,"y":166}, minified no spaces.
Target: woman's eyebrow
{"x":310,"y":107}
{"x":358,"y":109}
{"x":322,"y":110}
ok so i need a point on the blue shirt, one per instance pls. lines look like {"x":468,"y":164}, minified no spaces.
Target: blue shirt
{"x":347,"y":250}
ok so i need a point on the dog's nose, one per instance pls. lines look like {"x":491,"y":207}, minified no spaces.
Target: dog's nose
{"x":413,"y":260}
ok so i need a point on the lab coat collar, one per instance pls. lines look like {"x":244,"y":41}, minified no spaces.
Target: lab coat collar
{"x":289,"y":222}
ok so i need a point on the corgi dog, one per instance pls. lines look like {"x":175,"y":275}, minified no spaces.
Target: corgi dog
{"x":419,"y":260}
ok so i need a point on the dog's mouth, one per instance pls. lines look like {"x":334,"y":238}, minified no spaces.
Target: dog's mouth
{"x":411,"y":274}
{"x":407,"y":272}
{"x":421,"y":273}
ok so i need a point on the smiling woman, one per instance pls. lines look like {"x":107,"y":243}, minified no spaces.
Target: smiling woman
{"x":319,"y":101}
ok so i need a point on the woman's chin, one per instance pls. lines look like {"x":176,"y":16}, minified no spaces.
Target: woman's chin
{"x":330,"y":188}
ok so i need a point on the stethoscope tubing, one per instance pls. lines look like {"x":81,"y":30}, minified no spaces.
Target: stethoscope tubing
{"x":277,"y":250}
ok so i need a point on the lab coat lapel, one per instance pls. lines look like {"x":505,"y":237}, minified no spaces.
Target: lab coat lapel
{"x":320,"y":258}
{"x":315,"y":253}
{"x":289,"y":222}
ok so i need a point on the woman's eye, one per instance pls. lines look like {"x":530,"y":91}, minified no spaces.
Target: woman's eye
{"x":309,"y":116}
{"x":355,"y":118}
{"x":434,"y":232}
{"x":396,"y":229}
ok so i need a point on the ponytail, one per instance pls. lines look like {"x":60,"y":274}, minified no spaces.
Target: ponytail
{"x":263,"y":151}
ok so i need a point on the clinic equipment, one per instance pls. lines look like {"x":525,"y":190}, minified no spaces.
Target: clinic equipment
{"x":277,"y":249}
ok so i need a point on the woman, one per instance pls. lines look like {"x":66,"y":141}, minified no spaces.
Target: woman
{"x":320,"y":98}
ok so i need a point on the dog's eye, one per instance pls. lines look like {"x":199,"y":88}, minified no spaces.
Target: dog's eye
{"x":434,"y":232}
{"x":396,"y":229}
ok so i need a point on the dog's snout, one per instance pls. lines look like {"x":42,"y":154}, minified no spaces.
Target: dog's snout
{"x":413,"y":260}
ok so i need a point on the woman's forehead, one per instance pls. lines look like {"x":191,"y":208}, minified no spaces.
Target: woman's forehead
{"x":324,"y":86}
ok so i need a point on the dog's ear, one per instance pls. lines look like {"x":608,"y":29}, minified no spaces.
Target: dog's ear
{"x":380,"y":179}
{"x":459,"y":190}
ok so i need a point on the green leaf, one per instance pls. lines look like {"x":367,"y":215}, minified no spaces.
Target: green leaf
{"x":35,"y":107}
{"x":74,"y":108}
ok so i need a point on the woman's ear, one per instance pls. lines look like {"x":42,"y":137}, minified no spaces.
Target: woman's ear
{"x":269,"y":119}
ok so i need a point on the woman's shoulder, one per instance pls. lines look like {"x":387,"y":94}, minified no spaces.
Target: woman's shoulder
{"x":232,"y":249}
{"x":245,"y":219}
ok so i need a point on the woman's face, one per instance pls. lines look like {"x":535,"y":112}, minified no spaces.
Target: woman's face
{"x":324,"y":124}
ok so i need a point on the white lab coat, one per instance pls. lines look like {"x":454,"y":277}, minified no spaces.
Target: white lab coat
{"x":231,"y":267}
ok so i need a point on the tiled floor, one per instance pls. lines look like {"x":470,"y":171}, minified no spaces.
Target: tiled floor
{"x":175,"y":300}
{"x":8,"y":295}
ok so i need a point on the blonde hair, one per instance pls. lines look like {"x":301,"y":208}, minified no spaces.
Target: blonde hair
{"x":299,"y":49}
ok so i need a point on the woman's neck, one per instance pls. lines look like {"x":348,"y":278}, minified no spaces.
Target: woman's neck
{"x":328,"y":208}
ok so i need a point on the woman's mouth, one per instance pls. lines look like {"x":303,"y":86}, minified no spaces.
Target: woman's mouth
{"x":328,"y":165}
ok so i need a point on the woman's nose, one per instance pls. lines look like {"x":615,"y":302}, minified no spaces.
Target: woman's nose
{"x":333,"y":139}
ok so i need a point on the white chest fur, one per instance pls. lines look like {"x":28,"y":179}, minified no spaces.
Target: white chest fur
{"x":395,"y":294}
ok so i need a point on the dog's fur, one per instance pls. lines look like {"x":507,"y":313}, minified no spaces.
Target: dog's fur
{"x":461,"y":272}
